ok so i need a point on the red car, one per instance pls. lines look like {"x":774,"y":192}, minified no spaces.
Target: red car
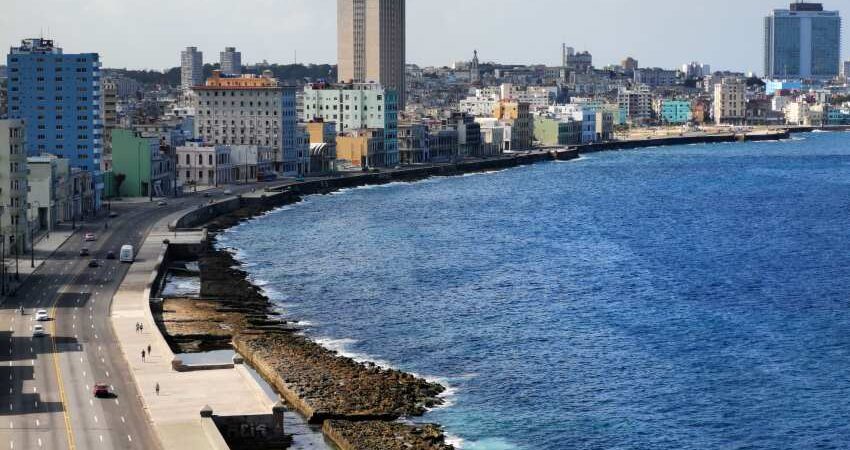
{"x":101,"y":390}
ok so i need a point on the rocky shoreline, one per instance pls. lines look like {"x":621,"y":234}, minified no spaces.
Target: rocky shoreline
{"x":359,"y":404}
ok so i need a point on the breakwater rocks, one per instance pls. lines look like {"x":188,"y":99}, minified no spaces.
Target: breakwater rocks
{"x":323,"y":385}
{"x":385,"y":436}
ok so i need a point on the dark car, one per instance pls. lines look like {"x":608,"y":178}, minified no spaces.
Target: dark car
{"x":94,"y":263}
{"x":113,"y":215}
{"x":110,"y":255}
{"x":101,"y":390}
{"x":84,"y":252}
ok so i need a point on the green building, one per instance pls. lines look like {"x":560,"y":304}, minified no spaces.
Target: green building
{"x":145,"y":169}
{"x":551,"y":132}
{"x":676,"y":111}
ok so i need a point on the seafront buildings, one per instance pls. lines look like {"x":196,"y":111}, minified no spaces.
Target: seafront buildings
{"x":372,"y":42}
{"x":58,"y":96}
{"x":802,"y":42}
{"x":251,"y":110}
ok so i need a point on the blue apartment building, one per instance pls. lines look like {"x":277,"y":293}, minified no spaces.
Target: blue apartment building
{"x":58,"y":97}
{"x":676,"y":112}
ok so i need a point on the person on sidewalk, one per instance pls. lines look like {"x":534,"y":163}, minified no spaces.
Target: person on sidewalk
{"x":157,"y":388}
{"x":149,"y":349}
{"x":143,"y":355}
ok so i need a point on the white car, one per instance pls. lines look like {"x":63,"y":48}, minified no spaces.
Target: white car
{"x":41,"y":315}
{"x":38,"y":331}
{"x":90,"y":237}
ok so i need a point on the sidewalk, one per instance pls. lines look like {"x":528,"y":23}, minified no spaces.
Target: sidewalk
{"x":175,"y":411}
{"x":29,"y":262}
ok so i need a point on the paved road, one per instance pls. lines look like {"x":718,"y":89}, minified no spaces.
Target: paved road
{"x":46,"y":383}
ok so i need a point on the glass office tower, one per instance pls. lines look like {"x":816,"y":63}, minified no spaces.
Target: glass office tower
{"x":802,"y":42}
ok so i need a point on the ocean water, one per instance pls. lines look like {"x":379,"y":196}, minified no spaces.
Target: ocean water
{"x":682,"y":297}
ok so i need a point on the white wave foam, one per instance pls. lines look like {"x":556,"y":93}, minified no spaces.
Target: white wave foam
{"x":486,"y":172}
{"x":455,"y":441}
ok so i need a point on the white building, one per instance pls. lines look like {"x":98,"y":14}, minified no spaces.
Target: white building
{"x":47,"y":180}
{"x":251,"y":163}
{"x":730,"y":101}
{"x":191,"y":68}
{"x":203,"y":165}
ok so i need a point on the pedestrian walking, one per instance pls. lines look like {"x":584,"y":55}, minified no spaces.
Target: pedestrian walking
{"x":141,"y":327}
{"x":149,"y":349}
{"x":137,"y":327}
{"x":143,"y":355}
{"x":157,"y":388}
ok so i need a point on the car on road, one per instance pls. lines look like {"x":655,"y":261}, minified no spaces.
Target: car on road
{"x":113,"y":215}
{"x":110,"y":255}
{"x":127,"y":254}
{"x":94,"y":263}
{"x":41,"y":315}
{"x":228,"y":192}
{"x":162,"y":203}
{"x":38,"y":331}
{"x":101,"y":390}
{"x":90,"y":237}
{"x":84,"y":252}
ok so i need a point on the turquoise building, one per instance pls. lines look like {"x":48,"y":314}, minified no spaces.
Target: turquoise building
{"x":676,"y":111}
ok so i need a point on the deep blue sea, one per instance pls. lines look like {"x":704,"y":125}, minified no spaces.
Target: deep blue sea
{"x":683,"y":297}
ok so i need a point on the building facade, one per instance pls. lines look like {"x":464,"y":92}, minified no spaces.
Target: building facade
{"x":59,"y":98}
{"x":250,"y":110}
{"x":356,"y":106}
{"x":803,"y":41}
{"x":147,"y":171}
{"x":230,"y":61}
{"x":676,"y":111}
{"x":191,"y":68}
{"x":730,"y":101}
{"x":372,"y":43}
{"x":203,"y":165}
{"x":47,"y":179}
{"x":13,"y":185}
{"x":636,"y":104}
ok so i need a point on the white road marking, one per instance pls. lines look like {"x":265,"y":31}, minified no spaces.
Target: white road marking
{"x":122,"y":420}
{"x":37,"y":422}
{"x":91,"y":402}
{"x":39,"y":442}
{"x":95,"y":421}
{"x":129,"y":438}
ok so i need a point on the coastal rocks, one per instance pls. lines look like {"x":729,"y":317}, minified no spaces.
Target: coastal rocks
{"x":385,"y":436}
{"x":193,"y":325}
{"x":324,"y":385}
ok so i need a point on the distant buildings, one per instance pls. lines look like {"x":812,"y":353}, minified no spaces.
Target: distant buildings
{"x":191,"y":68}
{"x":372,"y":42}
{"x":802,"y":42}
{"x":695,"y":70}
{"x":578,"y":62}
{"x":636,"y":104}
{"x":230,"y":61}
{"x":204,"y":165}
{"x":730,"y":101}
{"x":629,"y":64}
{"x":59,"y":98}
{"x":656,"y":77}
{"x":676,"y":112}
{"x":146,"y":171}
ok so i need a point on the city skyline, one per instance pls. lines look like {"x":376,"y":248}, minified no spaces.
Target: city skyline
{"x":664,"y":37}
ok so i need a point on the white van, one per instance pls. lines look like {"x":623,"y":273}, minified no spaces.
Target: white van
{"x":127,"y":254}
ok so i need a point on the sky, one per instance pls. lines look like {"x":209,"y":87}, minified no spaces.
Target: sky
{"x":149,"y":34}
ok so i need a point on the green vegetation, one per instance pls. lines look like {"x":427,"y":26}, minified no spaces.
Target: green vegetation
{"x":284,"y":72}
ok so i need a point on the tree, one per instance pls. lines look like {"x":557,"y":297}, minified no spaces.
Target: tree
{"x":119,"y":180}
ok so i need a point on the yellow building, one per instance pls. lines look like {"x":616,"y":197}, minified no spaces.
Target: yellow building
{"x":267,"y":80}
{"x":518,"y":116}
{"x":362,"y":148}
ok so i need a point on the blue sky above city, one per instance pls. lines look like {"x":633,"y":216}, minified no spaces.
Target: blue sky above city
{"x":724,"y":33}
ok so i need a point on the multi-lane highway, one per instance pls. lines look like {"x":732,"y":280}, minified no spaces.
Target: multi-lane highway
{"x":46,"y":383}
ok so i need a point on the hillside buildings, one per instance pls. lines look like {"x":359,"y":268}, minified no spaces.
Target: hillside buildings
{"x":191,"y":68}
{"x":371,"y":43}
{"x":59,"y":98}
{"x":803,"y":41}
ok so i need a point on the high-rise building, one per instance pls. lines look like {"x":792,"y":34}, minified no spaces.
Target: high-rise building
{"x":847,"y":69}
{"x":13,"y":184}
{"x":191,"y":68}
{"x":629,"y":64}
{"x":58,"y":96}
{"x":803,"y":41}
{"x":730,"y":101}
{"x":371,"y":45}
{"x":475,"y":69}
{"x":231,"y":61}
{"x":251,"y":110}
{"x":109,"y":105}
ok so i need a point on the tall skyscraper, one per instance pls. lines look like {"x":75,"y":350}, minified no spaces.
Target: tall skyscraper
{"x":191,"y":68}
{"x":372,"y":43}
{"x":803,"y":42}
{"x":231,"y":61}
{"x":58,"y":96}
